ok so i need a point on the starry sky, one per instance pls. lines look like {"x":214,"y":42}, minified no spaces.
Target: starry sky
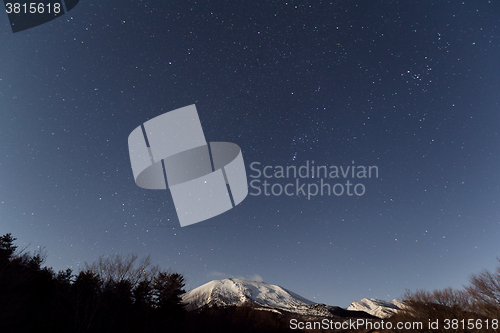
{"x":411,"y":87}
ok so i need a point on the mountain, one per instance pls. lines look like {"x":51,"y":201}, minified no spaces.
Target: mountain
{"x":260,"y":295}
{"x":377,"y":308}
{"x":238,"y":291}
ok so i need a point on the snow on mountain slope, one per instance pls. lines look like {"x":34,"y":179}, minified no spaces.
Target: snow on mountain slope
{"x":237,"y":291}
{"x":377,"y":308}
{"x":262,"y":296}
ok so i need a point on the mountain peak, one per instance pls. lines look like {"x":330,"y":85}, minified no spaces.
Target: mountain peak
{"x":235,"y":291}
{"x":261,"y":295}
{"x":376,"y":307}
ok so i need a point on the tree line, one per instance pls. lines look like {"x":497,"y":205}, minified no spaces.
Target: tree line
{"x":475,"y":308}
{"x":127,"y":294}
{"x":114,"y":294}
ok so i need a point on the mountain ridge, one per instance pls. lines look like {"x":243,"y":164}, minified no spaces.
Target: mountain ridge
{"x":263,"y":296}
{"x":378,"y":308}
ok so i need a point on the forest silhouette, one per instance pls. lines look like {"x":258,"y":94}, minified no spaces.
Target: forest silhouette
{"x":115,"y":294}
{"x":127,"y":294}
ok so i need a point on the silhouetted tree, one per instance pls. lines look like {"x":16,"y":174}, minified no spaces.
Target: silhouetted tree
{"x":120,"y":268}
{"x":87,"y":301}
{"x":484,"y":289}
{"x":27,"y":290}
{"x":168,"y":291}
{"x":7,"y":248}
{"x":144,"y":297}
{"x":480,"y":300}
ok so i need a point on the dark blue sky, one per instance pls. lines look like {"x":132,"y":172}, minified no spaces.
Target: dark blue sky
{"x":411,"y":87}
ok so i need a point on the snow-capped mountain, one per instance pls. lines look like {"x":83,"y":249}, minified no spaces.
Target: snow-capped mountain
{"x":377,"y":308}
{"x":264,"y":296}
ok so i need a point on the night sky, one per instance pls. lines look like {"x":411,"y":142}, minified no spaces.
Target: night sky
{"x":412,"y":87}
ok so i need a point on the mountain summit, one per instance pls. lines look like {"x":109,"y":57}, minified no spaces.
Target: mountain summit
{"x":376,"y":307}
{"x":264,"y":296}
{"x":238,"y":291}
